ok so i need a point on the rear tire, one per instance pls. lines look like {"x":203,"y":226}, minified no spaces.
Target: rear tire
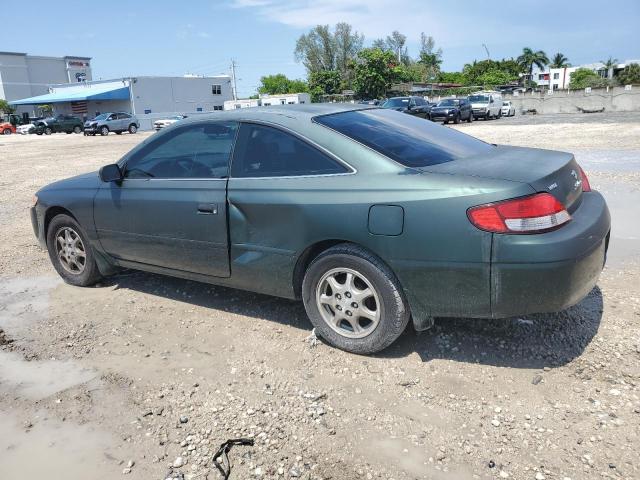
{"x":470,"y":119}
{"x":70,"y":252}
{"x":77,"y":129}
{"x":48,"y":131}
{"x":363,"y":314}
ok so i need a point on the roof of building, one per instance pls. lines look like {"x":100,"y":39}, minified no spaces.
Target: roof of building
{"x":95,"y":92}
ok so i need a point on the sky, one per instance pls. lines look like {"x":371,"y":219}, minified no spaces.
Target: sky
{"x":158,"y":37}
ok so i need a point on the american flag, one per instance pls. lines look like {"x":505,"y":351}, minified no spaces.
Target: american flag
{"x":79,"y":107}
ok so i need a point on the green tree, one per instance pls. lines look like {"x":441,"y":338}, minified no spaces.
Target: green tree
{"x":491,"y":72}
{"x":584,"y":77}
{"x":429,"y":56}
{"x":396,"y":43}
{"x":324,"y":50}
{"x":559,"y":61}
{"x":608,"y":66}
{"x":374,"y":71}
{"x":630,"y":75}
{"x":5,"y":107}
{"x":451,"y":77}
{"x":279,"y":83}
{"x":529,"y":58}
{"x":325,"y":82}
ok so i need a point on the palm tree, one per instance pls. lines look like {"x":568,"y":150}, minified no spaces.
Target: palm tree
{"x":529,"y":58}
{"x":559,"y":61}
{"x":608,"y":66}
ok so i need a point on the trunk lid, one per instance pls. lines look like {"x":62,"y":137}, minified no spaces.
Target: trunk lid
{"x":545,"y":170}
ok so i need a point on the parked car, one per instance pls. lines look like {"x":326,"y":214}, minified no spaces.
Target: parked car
{"x":486,"y":105}
{"x":508,"y":110}
{"x":370,"y":216}
{"x":7,"y":128}
{"x":9,"y":123}
{"x":159,"y":124}
{"x":59,"y":123}
{"x":452,"y":110}
{"x":28,"y":127}
{"x":117,"y":122}
{"x":416,"y":106}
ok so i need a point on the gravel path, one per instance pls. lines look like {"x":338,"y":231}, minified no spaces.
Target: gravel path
{"x":145,"y":376}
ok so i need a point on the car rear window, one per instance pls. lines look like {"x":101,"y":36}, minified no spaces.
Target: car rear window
{"x":410,"y":141}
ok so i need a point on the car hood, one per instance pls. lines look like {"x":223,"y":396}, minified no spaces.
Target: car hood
{"x":544,"y":170}
{"x":86,"y":180}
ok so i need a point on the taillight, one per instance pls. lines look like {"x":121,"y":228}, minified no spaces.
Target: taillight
{"x":537,"y":213}
{"x":586,"y":186}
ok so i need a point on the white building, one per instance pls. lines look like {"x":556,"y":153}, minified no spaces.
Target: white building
{"x":241,"y":103}
{"x":265,"y":100}
{"x":149,"y":98}
{"x":23,"y":75}
{"x":559,"y":78}
{"x":285,"y":99}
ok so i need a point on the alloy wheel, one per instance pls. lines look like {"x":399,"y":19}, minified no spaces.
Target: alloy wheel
{"x":348,"y":302}
{"x":70,"y":250}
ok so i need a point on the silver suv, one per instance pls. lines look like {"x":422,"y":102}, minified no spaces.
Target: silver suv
{"x":112,"y":122}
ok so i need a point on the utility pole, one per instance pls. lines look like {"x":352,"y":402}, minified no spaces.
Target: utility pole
{"x":233,"y":79}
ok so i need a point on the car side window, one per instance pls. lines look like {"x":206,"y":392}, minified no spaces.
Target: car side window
{"x":263,"y":151}
{"x":202,"y":150}
{"x":123,"y":116}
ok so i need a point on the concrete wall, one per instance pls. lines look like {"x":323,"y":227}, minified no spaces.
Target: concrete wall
{"x":563,"y":101}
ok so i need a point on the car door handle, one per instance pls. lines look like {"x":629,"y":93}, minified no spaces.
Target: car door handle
{"x":207,"y":209}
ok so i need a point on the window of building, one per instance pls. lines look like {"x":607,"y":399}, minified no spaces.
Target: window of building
{"x":199,"y":109}
{"x":556,"y":76}
{"x":541,"y":76}
{"x":147,"y":111}
{"x":194,"y":151}
{"x":217,"y":107}
{"x":283,"y":102}
{"x":216,"y":89}
{"x":263,"y":151}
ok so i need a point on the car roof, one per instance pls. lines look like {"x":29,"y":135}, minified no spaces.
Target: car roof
{"x":299,"y":112}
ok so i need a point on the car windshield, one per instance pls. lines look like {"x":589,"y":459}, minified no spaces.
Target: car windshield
{"x":404,"y":138}
{"x":396,"y":102}
{"x":479,"y":99}
{"x":102,"y":116}
{"x":449,"y":102}
{"x":506,"y":104}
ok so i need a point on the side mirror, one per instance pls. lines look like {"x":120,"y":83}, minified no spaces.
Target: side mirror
{"x":110,"y":173}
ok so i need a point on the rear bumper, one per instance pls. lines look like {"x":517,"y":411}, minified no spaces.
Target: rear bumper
{"x":552,"y":271}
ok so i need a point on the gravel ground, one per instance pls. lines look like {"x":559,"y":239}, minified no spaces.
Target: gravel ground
{"x":145,"y":376}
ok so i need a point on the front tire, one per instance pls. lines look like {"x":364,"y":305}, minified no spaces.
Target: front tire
{"x":104,"y":131}
{"x":133,"y":128}
{"x":456,"y":120}
{"x":70,"y":252}
{"x":354,"y":300}
{"x":6,"y":131}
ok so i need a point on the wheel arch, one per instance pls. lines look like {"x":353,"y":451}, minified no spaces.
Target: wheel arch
{"x":50,"y":213}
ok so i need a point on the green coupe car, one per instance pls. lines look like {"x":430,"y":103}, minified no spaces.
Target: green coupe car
{"x":372,"y":217}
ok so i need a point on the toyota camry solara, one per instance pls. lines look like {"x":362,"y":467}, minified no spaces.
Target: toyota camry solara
{"x":372,"y":217}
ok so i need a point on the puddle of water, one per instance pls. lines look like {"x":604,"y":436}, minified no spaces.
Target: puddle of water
{"x":24,"y":300}
{"x":53,"y":449}
{"x":39,"y":379}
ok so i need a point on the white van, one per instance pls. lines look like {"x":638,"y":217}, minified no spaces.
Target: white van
{"x":486,"y":105}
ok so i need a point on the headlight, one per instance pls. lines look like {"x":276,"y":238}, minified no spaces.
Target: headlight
{"x":34,"y":201}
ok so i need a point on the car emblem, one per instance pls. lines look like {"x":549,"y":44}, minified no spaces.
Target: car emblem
{"x":578,"y":181}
